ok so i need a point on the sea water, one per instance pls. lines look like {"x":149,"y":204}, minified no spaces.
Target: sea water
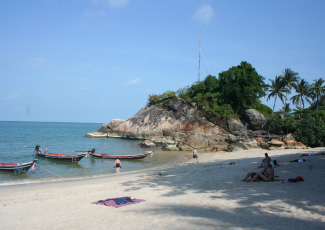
{"x":18,"y":139}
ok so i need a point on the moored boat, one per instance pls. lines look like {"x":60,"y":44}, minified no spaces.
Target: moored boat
{"x":17,"y":167}
{"x":77,"y":156}
{"x":106,"y":156}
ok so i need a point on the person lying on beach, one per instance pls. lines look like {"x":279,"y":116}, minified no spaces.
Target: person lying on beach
{"x":266,"y":175}
{"x":265,"y":161}
{"x":312,"y":154}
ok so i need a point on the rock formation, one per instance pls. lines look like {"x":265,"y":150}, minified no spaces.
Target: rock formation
{"x":177,"y":125}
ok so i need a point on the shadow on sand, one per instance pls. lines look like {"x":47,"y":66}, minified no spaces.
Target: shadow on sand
{"x":262,"y":205}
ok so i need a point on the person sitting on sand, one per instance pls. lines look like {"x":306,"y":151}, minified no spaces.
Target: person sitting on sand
{"x":117,"y":165}
{"x":266,"y":175}
{"x":265,"y":160}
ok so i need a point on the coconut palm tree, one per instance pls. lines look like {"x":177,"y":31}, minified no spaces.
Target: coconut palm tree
{"x":303,"y":94}
{"x":290,"y":79}
{"x":286,"y":109}
{"x":276,"y":89}
{"x":317,"y":90}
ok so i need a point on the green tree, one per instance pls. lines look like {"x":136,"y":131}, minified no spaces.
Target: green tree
{"x":310,"y":129}
{"x":153,"y":99}
{"x":286,"y":108}
{"x":241,"y":87}
{"x":317,"y":90}
{"x":290,"y":79}
{"x":303,"y":94}
{"x":282,"y":123}
{"x":276,"y":90}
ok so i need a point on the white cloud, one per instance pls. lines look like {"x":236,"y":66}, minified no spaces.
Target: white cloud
{"x":133,"y":82}
{"x":204,"y":14}
{"x":113,"y":3}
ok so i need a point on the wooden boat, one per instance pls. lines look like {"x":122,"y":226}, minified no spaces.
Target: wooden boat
{"x":17,"y":167}
{"x":67,"y":157}
{"x":77,"y":156}
{"x":103,"y":155}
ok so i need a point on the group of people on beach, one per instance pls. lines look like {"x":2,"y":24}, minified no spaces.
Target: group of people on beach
{"x":267,"y":174}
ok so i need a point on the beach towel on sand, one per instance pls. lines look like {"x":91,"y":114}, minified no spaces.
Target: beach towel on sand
{"x":118,"y":202}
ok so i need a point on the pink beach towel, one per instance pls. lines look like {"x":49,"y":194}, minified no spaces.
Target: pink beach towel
{"x":118,"y":202}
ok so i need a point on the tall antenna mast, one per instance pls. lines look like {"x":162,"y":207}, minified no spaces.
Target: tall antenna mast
{"x":199,"y":55}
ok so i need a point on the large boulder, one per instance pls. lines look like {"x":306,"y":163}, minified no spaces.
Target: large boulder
{"x":147,"y":144}
{"x":235,"y":125}
{"x":238,"y":146}
{"x":166,"y":147}
{"x":255,"y":120}
{"x":204,"y":141}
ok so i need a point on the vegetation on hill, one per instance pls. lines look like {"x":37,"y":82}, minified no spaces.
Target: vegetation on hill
{"x":241,"y":87}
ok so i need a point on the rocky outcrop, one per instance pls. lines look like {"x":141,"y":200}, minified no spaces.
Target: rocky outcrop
{"x":107,"y":129}
{"x":177,"y":125}
{"x":178,"y":122}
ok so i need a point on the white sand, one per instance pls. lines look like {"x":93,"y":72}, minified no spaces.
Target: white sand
{"x":208,"y":195}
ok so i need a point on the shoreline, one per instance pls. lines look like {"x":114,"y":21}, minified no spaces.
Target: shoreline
{"x":207,"y":195}
{"x":178,"y":157}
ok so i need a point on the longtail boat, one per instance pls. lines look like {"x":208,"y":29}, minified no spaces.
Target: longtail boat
{"x":77,"y":156}
{"x":106,"y":156}
{"x":17,"y":167}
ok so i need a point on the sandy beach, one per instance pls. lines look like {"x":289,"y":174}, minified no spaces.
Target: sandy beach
{"x":184,"y":195}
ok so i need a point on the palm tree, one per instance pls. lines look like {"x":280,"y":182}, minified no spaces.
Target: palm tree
{"x":317,"y":90}
{"x":286,"y":109}
{"x":303,"y":90}
{"x":290,"y":79}
{"x":276,"y":89}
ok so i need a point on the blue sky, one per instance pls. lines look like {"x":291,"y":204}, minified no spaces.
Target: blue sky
{"x":95,"y":60}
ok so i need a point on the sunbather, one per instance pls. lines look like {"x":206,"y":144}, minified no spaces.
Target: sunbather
{"x":265,"y":161}
{"x":266,"y":175}
{"x":312,"y":154}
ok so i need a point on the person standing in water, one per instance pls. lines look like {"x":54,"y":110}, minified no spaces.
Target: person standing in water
{"x":117,"y":165}
{"x":195,"y":156}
